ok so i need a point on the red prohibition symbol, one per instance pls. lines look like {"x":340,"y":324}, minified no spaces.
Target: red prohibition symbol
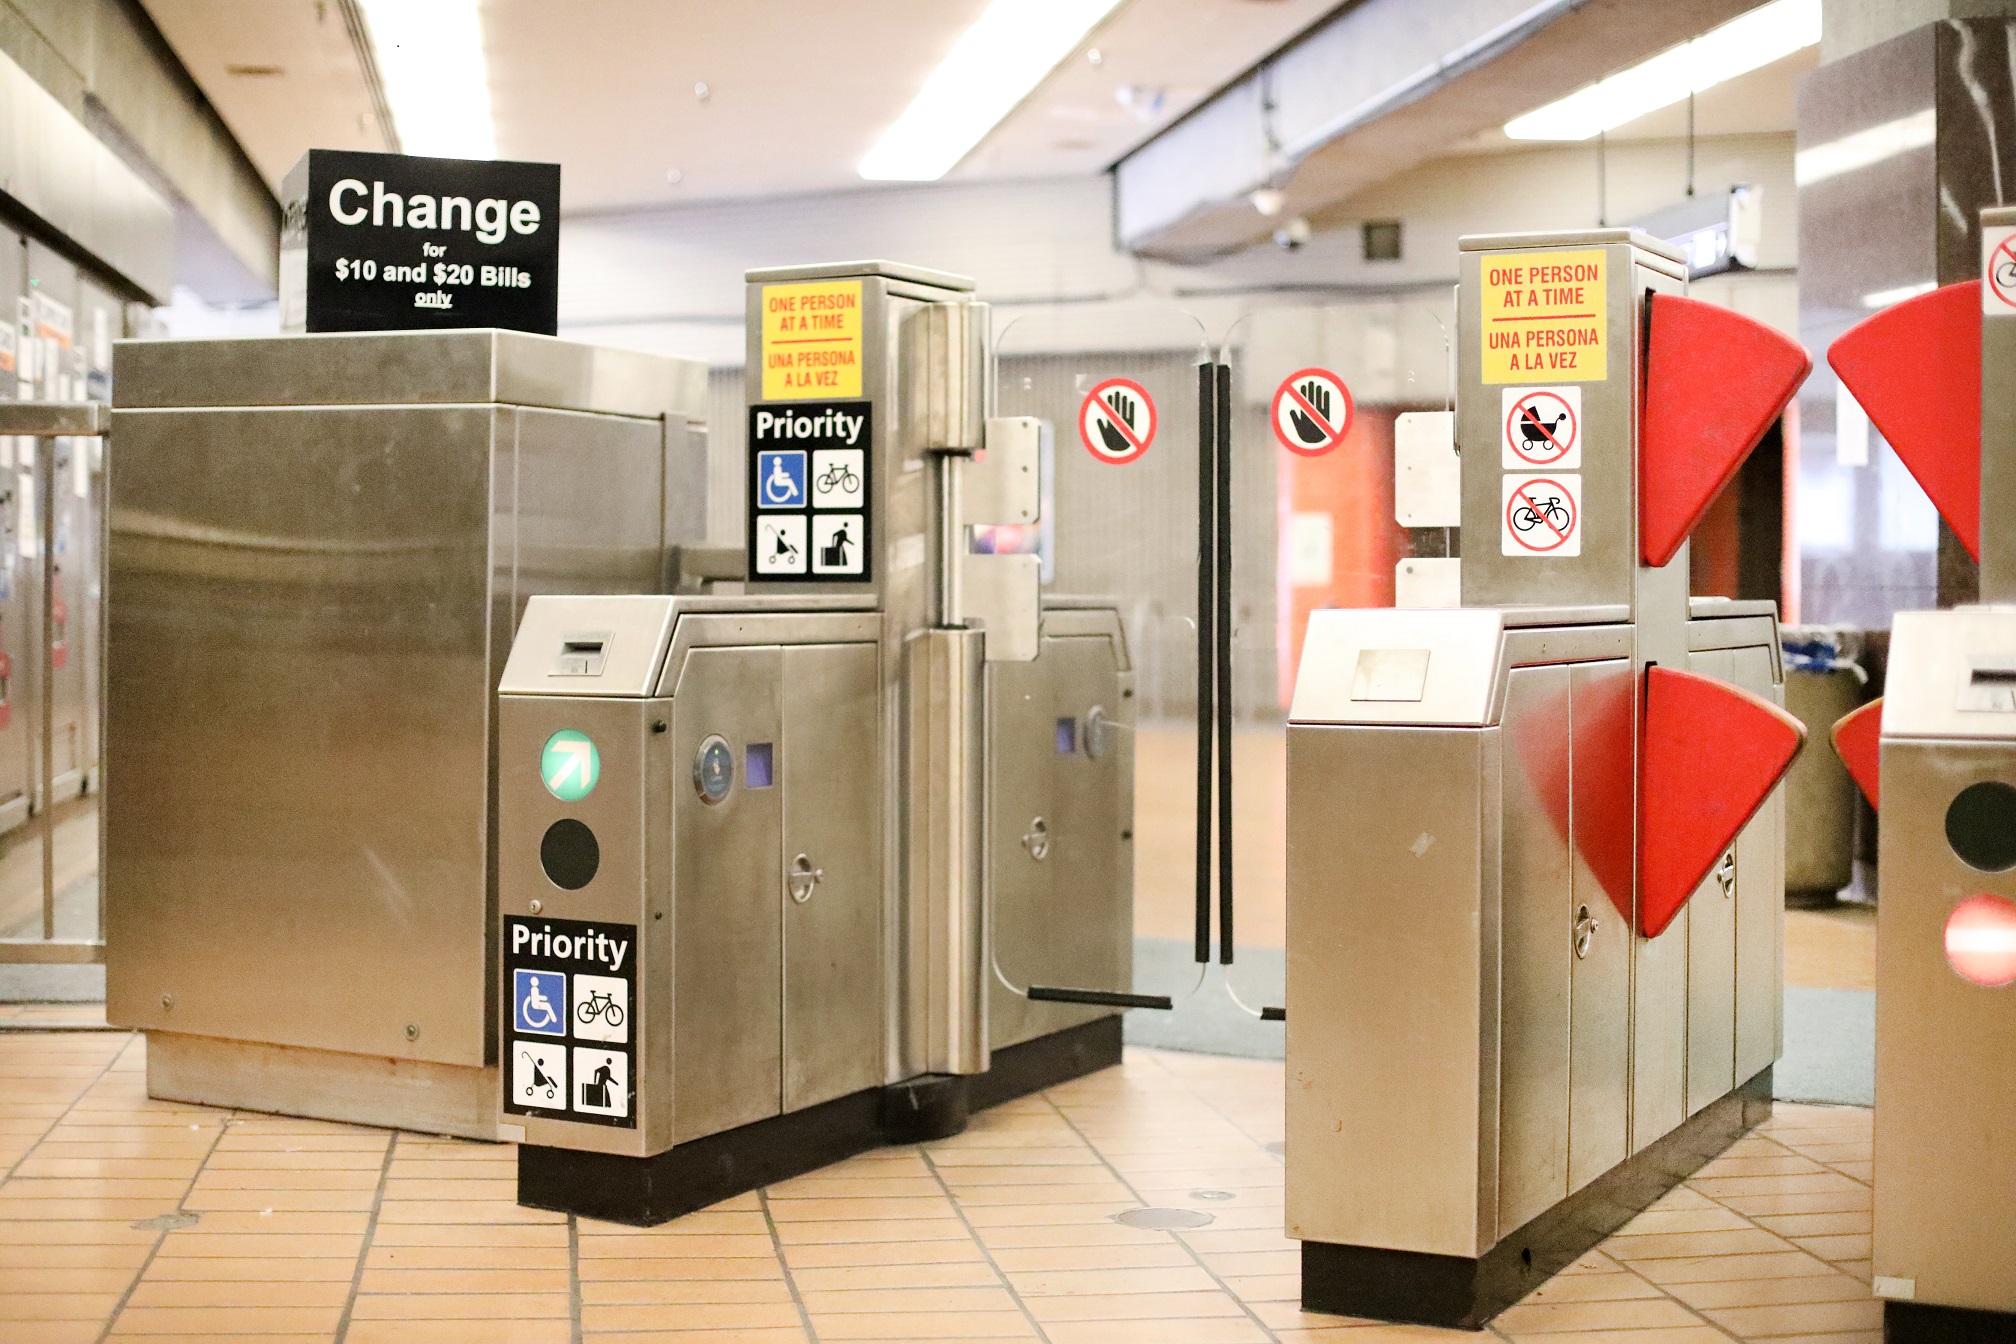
{"x":1116,"y":421}
{"x":1312,"y":412}
{"x":2002,"y":271}
{"x":1541,"y":428}
{"x":1541,"y":515}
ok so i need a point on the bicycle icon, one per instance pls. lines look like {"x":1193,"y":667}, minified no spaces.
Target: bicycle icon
{"x":600,"y":1004}
{"x":1552,"y":511}
{"x":837,"y":477}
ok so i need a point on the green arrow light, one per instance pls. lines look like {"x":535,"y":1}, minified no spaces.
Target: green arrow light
{"x":570,"y":766}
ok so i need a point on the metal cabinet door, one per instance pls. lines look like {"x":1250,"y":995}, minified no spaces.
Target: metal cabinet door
{"x":1760,"y":900}
{"x":1711,"y":953}
{"x":831,"y":772}
{"x":1605,"y":857}
{"x":727,"y":939}
{"x":1085,"y":931}
{"x":1537,"y":922}
{"x":1021,"y":749}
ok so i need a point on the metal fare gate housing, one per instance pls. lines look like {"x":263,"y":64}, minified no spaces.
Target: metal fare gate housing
{"x":1534,"y":859}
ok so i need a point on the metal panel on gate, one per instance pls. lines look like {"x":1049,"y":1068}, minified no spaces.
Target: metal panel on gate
{"x":829,"y":760}
{"x":1711,"y":952}
{"x":1599,"y":1031}
{"x":728,"y":879}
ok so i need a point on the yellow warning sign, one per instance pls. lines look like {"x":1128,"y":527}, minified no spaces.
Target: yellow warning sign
{"x":812,"y":340}
{"x":1545,"y":317}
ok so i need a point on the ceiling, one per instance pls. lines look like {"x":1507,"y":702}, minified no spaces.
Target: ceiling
{"x":796,"y":91}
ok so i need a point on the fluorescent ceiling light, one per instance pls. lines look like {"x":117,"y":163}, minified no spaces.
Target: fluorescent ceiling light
{"x":1862,"y":149}
{"x":1739,"y":46}
{"x":430,"y":55}
{"x":1883,"y":298}
{"x":1007,"y":52}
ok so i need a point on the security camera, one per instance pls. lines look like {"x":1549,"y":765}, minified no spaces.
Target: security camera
{"x":1292,"y":234}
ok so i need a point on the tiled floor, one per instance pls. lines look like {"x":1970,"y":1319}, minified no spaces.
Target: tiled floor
{"x":128,"y":1219}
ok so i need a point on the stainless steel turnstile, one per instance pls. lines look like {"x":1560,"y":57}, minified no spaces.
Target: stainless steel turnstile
{"x":320,"y":551}
{"x":861,"y":831}
{"x":1535,"y":869}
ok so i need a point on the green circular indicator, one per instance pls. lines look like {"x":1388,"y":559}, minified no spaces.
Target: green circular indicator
{"x":570,"y":765}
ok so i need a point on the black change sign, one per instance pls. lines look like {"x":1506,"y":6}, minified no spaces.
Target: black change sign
{"x":390,"y":242}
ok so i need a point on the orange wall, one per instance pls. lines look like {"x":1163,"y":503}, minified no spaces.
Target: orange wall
{"x":1354,"y":485}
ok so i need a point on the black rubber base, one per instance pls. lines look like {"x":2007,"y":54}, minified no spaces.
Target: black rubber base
{"x":1927,"y":1323}
{"x":1462,"y":1293}
{"x":646,"y":1191}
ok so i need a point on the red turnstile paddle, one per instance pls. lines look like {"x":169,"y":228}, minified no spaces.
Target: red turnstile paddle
{"x":1714,"y":382}
{"x":1710,"y":755}
{"x":1858,"y":741}
{"x":1916,"y":369}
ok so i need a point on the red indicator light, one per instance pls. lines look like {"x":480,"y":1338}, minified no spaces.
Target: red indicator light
{"x":1981,"y":940}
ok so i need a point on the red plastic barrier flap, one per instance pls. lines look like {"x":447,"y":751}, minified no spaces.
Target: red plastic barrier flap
{"x":1916,"y":369}
{"x":1714,"y":382}
{"x":1711,"y":754}
{"x":1858,"y":741}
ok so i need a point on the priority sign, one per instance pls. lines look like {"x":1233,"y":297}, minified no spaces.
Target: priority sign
{"x":1542,"y":515}
{"x":1116,"y":421}
{"x":1312,"y":412}
{"x":1542,"y":428}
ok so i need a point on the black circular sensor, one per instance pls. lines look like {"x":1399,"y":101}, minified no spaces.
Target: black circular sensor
{"x":1981,"y":825}
{"x":569,"y":854}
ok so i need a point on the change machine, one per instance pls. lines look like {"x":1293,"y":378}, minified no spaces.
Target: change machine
{"x":320,"y":552}
{"x":1938,"y":755}
{"x":1534,"y":857}
{"x":763,"y":852}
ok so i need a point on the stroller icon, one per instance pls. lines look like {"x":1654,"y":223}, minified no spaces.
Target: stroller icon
{"x":541,"y":1080}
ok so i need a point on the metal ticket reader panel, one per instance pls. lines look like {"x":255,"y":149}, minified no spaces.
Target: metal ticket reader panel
{"x":752,"y":842}
{"x":1534,"y":885}
{"x":1937,"y":755}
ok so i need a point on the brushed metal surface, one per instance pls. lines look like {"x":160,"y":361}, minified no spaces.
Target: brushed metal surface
{"x":1760,"y":896}
{"x":1066,"y":919}
{"x":830,"y":771}
{"x":1462,"y":678}
{"x":728,"y":870}
{"x":53,"y":417}
{"x":951,"y":972}
{"x":839,"y":270}
{"x":1943,"y":1045}
{"x":1599,"y":1032}
{"x":1933,"y":657}
{"x":1656,"y":248}
{"x":1711,"y":954}
{"x":408,"y":367}
{"x":1391,"y":1129}
{"x":323,"y":598}
{"x":630,"y":812}
{"x":1537,"y":919}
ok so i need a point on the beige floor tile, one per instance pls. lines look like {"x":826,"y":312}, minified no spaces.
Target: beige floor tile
{"x":1851,"y":1246}
{"x":959,"y":1274}
{"x":219,"y":1322}
{"x":466,"y":1257}
{"x":1741,"y":1241}
{"x":71,"y":1279}
{"x":462,"y":1307}
{"x":1535,"y":1318}
{"x":195,"y":1269}
{"x":845,"y":1254}
{"x":772,"y":1335}
{"x":463,"y":1281}
{"x":621,"y":1292}
{"x":1818,"y":1224}
{"x":1112,"y":1282}
{"x":1834,"y":1337}
{"x":1811,"y":1318}
{"x":925,"y":1325}
{"x":275,"y":1246}
{"x":889,"y":1301}
{"x":688,"y":1316}
{"x":857,"y":1210}
{"x":469,"y":1234}
{"x":1655,"y":1222}
{"x":55,"y":1307}
{"x":1591,"y":1288}
{"x":1724,"y":1268}
{"x":1849,"y":1196}
{"x":1134,"y":1307}
{"x":641,"y":1246}
{"x":1771,"y":1292}
{"x":1097,"y":1232}
{"x":696,"y":1268}
{"x":458,"y":1332}
{"x":1679,"y":1334}
{"x":1218,"y":1330}
{"x":153,"y":1292}
{"x":868,"y":1230}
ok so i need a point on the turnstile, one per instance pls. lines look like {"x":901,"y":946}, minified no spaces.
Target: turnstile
{"x":1938,"y":756}
{"x":773,"y":861}
{"x":1535,"y":868}
{"x":320,"y":553}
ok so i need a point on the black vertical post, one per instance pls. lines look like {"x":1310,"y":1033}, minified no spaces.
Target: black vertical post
{"x":1223,"y":528}
{"x":1207,"y":562}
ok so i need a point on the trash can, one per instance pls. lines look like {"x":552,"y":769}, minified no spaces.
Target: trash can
{"x":1824,"y":679}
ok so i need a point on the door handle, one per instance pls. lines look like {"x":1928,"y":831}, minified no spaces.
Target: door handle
{"x":1585,"y":931}
{"x":803,"y":878}
{"x":1725,"y":873}
{"x":1037,"y":839}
